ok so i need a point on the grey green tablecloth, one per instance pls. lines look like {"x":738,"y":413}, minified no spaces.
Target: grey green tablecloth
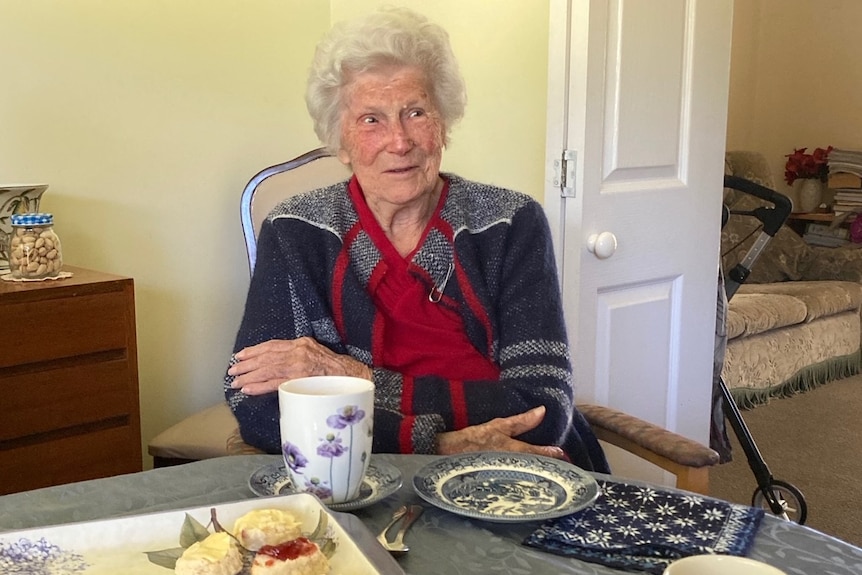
{"x":440,"y":542}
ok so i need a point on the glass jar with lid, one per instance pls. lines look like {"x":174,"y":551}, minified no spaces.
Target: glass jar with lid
{"x":34,"y":248}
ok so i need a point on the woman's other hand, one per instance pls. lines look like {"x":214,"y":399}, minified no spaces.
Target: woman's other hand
{"x":261,"y":368}
{"x":498,"y":435}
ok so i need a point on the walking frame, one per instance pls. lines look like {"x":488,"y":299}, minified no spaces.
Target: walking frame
{"x":779,"y":497}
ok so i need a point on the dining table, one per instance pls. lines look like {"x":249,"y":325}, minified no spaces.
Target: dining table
{"x":440,"y":541}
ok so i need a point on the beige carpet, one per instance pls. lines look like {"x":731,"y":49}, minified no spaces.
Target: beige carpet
{"x":813,"y":441}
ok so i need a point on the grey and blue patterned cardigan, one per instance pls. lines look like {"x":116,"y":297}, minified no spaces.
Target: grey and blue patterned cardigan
{"x":491,"y":253}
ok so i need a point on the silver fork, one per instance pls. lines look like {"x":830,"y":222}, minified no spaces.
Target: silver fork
{"x":396,"y":516}
{"x":397,"y":547}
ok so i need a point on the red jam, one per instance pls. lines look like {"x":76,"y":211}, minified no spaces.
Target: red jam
{"x":290,"y":550}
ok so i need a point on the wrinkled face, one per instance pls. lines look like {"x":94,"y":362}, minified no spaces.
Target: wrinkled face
{"x":392,"y":135}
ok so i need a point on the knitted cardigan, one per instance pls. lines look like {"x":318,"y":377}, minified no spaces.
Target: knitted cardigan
{"x":491,"y":256}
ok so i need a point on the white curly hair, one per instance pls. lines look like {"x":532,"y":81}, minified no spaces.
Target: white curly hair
{"x":385,"y":37}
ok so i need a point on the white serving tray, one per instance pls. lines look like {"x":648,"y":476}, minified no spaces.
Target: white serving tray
{"x":113,"y":546}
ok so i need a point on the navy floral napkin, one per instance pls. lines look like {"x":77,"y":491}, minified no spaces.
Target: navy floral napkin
{"x":640,"y":528}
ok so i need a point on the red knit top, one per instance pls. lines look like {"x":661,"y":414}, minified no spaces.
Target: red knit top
{"x":419,"y":336}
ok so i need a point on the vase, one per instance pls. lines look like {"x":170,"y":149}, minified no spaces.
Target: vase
{"x":808,"y":194}
{"x":15,"y":199}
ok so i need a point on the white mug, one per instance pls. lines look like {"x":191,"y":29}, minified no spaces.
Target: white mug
{"x":326,"y":425}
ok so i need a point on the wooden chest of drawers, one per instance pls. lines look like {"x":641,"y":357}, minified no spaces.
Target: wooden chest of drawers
{"x":69,"y":407}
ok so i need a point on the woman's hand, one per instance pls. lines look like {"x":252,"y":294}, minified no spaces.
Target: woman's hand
{"x":261,"y":368}
{"x":497,"y":435}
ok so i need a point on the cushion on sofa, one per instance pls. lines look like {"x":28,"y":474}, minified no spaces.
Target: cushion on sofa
{"x":750,"y":165}
{"x":750,"y":314}
{"x":785,"y":257}
{"x":842,"y":263}
{"x":821,"y":299}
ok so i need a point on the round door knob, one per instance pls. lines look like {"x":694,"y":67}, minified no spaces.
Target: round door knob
{"x":603,"y":245}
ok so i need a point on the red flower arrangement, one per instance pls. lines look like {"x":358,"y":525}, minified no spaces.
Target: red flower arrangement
{"x":802,"y":165}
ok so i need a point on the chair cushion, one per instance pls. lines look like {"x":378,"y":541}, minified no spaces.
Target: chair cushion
{"x":236,"y":445}
{"x":203,"y":435}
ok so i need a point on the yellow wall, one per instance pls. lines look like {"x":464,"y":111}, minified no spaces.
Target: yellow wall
{"x":796,"y":80}
{"x":147,"y":118}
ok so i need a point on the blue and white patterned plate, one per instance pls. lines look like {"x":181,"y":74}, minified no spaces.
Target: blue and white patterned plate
{"x":381,"y":480}
{"x":505,"y":487}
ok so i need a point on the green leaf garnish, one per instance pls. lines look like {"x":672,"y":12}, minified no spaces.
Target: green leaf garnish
{"x":192,"y":532}
{"x":328,"y":548}
{"x":166,"y":557}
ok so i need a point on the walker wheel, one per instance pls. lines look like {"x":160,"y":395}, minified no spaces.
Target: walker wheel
{"x":788,"y":498}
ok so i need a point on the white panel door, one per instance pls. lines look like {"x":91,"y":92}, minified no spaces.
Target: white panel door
{"x":638,"y":95}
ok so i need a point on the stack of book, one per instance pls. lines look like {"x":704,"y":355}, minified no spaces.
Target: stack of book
{"x":845,"y":180}
{"x":826,"y":235}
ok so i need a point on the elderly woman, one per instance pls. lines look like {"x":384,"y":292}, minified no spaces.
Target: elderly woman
{"x":440,"y":290}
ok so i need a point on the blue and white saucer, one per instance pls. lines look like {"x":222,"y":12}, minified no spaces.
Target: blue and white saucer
{"x":505,"y":487}
{"x":380,"y":481}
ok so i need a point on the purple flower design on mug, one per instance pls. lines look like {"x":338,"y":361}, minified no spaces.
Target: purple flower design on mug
{"x":347,"y":415}
{"x":317,"y":487}
{"x":331,"y":446}
{"x":293,"y":457}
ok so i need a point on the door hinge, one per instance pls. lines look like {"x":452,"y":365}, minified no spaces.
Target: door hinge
{"x":565,"y":170}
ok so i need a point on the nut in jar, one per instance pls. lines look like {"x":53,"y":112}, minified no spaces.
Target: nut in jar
{"x":34,"y":248}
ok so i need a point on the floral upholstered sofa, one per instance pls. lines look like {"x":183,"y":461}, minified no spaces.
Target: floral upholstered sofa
{"x":795,"y":322}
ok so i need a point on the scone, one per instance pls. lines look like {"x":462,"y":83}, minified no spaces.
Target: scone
{"x":218,"y":554}
{"x":263,"y":527}
{"x":297,"y":557}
